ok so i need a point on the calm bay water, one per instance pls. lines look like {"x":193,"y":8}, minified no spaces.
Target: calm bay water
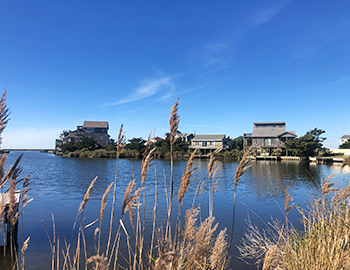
{"x":59,"y":184}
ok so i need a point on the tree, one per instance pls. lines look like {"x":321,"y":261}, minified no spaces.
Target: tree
{"x":345,"y":145}
{"x":112,"y":145}
{"x":163,"y":146}
{"x":237,"y":143}
{"x":180,"y":146}
{"x":137,"y":144}
{"x":69,"y":147}
{"x":308,"y":145}
{"x":88,"y":143}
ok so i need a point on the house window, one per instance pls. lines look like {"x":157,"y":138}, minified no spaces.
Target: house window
{"x":212,"y":143}
{"x":204,"y":144}
{"x":196,"y":143}
{"x":90,"y":130}
{"x":267,"y":142}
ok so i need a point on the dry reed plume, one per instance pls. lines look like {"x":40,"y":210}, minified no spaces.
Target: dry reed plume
{"x":11,"y":203}
{"x":130,"y":201}
{"x":212,"y":170}
{"x":174,"y":121}
{"x":120,"y":146}
{"x":327,"y":186}
{"x":346,"y":161}
{"x":87,"y":195}
{"x":121,"y":141}
{"x":198,"y":248}
{"x":323,"y":243}
{"x":99,"y":262}
{"x":186,"y":179}
{"x":241,"y":169}
{"x":287,"y":200}
{"x":174,"y":124}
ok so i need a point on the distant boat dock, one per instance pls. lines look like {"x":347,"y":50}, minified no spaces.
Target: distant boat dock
{"x":317,"y":160}
{"x":275,"y":158}
{"x":51,"y":151}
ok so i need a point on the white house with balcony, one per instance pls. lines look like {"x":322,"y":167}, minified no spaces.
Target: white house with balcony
{"x":210,"y":143}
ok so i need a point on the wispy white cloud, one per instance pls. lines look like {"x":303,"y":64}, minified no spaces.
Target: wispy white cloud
{"x":215,"y":56}
{"x":195,"y":125}
{"x":210,"y":62}
{"x":149,"y":88}
{"x":337,"y":81}
{"x":267,"y":14}
{"x":223,"y":66}
{"x":193,"y":89}
{"x":178,"y":94}
{"x":341,"y":80}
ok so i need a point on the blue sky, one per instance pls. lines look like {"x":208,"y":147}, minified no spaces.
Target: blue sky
{"x":231,"y":63}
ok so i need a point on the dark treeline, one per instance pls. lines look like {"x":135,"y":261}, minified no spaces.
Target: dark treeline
{"x":135,"y":148}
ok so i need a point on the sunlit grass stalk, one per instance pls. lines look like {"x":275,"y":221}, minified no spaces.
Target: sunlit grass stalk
{"x":147,"y":157}
{"x":23,"y":249}
{"x":12,"y":213}
{"x":174,"y":123}
{"x":242,"y":167}
{"x":184,"y":185}
{"x":54,"y":242}
{"x":120,"y":146}
{"x":154,"y":212}
{"x":102,"y":210}
{"x":211,"y":176}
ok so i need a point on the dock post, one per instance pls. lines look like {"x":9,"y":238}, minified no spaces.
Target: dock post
{"x":12,"y":233}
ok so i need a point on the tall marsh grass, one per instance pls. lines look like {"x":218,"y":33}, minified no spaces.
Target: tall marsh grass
{"x":190,"y":242}
{"x":323,"y":242}
{"x":14,"y":196}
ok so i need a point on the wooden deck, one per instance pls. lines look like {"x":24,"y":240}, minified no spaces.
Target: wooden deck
{"x":275,"y":158}
{"x":24,"y":150}
{"x":6,"y":197}
{"x":325,"y":160}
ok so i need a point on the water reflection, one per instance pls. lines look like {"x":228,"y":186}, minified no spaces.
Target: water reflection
{"x":59,"y":184}
{"x":269,"y":180}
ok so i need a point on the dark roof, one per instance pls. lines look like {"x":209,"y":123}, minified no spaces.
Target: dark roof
{"x":268,"y":132}
{"x":271,"y":130}
{"x":269,"y":123}
{"x":345,"y":137}
{"x":211,"y":137}
{"x":288,"y":134}
{"x":95,"y":124}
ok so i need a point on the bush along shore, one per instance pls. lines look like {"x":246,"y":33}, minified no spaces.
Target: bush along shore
{"x":133,"y":154}
{"x":136,"y":148}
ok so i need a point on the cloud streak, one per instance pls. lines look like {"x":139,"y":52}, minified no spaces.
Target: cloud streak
{"x":264,"y":15}
{"x":337,"y":81}
{"x":149,"y":88}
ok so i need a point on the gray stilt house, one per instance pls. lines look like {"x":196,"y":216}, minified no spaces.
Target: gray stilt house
{"x":97,"y":130}
{"x":268,"y":136}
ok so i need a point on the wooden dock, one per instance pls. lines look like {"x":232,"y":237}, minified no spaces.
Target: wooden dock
{"x":279,"y":158}
{"x":325,"y":160}
{"x":25,"y":150}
